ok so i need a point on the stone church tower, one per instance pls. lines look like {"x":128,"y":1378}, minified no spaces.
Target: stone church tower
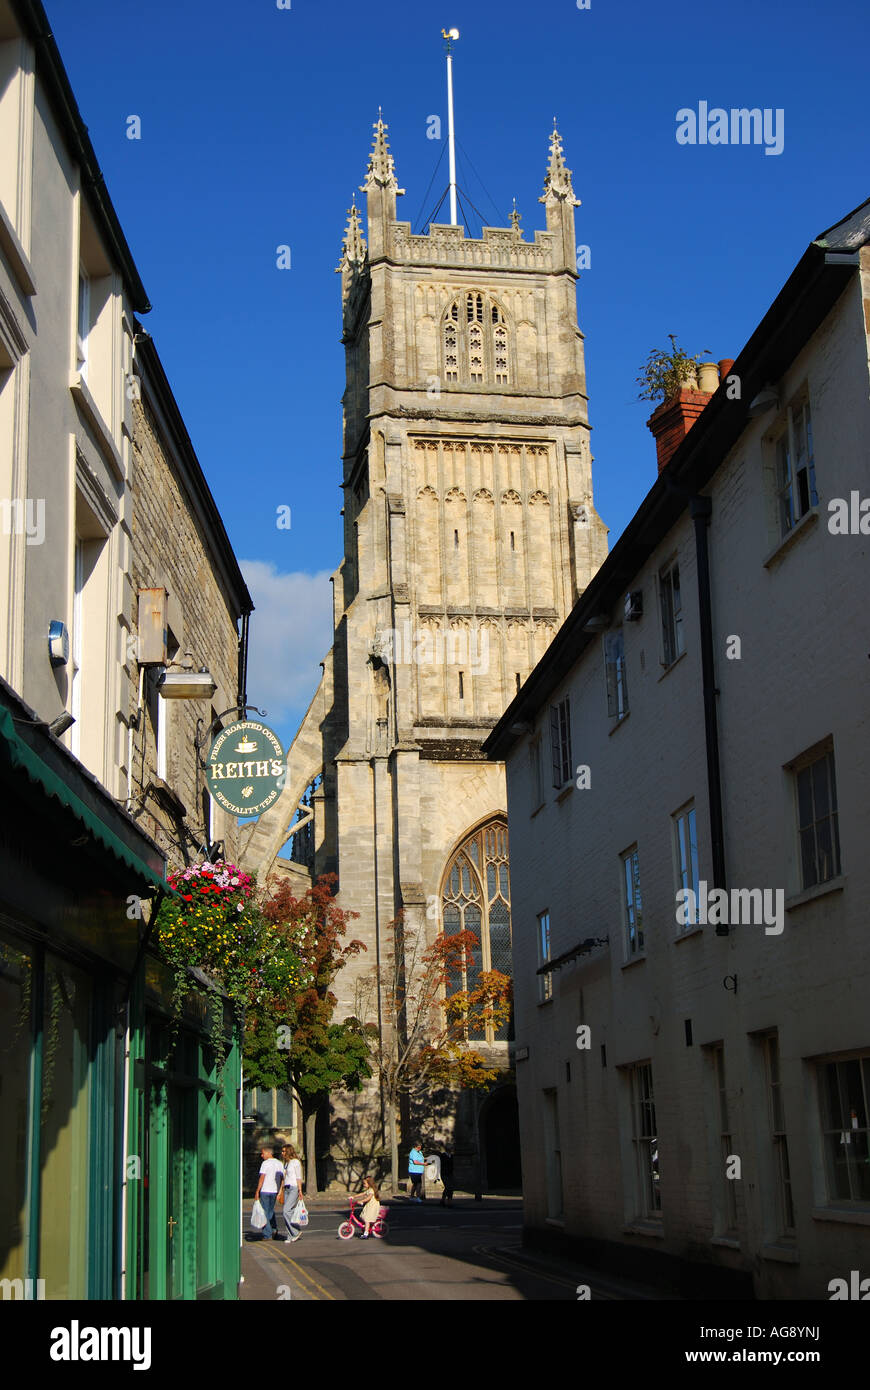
{"x":469,"y":533}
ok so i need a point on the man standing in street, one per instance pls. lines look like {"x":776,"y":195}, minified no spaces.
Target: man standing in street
{"x":415,"y":1171}
{"x":270,"y":1184}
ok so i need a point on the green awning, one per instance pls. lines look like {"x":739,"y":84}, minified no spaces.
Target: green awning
{"x":23,"y":759}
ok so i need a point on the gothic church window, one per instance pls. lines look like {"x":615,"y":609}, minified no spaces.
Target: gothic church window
{"x":475,"y":341}
{"x":475,"y":897}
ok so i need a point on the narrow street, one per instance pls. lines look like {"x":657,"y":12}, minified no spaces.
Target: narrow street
{"x":472,"y":1251}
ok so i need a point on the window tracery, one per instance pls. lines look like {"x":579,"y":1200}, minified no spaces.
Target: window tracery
{"x":475,"y":896}
{"x":475,"y":341}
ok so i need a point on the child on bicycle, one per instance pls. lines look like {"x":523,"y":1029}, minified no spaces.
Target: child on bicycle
{"x":372,"y":1209}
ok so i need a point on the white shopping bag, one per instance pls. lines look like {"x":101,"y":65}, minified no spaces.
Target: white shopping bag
{"x":258,"y":1215}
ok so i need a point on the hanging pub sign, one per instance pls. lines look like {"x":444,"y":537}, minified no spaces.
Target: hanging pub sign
{"x":246,"y":769}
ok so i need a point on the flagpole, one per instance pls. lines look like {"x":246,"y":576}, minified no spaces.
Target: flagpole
{"x":450,"y":36}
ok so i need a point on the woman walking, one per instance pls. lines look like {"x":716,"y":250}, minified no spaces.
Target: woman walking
{"x":293,"y":1185}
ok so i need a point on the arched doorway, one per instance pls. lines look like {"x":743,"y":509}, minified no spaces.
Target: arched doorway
{"x":500,"y":1141}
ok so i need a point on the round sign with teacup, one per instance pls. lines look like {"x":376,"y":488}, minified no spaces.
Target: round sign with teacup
{"x":246,"y":770}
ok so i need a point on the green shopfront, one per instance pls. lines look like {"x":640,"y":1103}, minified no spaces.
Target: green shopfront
{"x":119,"y":1152}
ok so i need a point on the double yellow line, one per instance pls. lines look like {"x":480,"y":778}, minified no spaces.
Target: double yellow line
{"x":305,"y":1275}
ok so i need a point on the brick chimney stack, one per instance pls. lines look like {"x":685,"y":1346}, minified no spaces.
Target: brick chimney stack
{"x":671,"y":421}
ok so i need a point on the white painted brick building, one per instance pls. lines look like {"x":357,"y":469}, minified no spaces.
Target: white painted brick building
{"x":742,"y":1050}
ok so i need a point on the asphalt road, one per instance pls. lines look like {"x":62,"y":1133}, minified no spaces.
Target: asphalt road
{"x":471,"y":1251}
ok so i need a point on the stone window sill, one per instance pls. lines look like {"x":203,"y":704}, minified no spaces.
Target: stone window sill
{"x":619,"y":723}
{"x":784,"y":1254}
{"x":566,"y":790}
{"x":87,"y":405}
{"x":653,"y":1229}
{"x":19,"y":262}
{"x":850,"y":1216}
{"x":808,"y":520}
{"x":818,"y":890}
{"x":635,"y":960}
{"x":668,"y":669}
{"x":554,"y":1221}
{"x":726,"y":1242}
{"x":691,"y":931}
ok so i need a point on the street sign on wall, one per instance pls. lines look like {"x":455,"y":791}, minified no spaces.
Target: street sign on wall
{"x":246,"y":769}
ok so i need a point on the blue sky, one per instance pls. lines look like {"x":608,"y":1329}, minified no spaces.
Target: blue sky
{"x":256,"y":126}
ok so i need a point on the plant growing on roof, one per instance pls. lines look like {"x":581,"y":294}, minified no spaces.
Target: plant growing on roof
{"x":664,"y":373}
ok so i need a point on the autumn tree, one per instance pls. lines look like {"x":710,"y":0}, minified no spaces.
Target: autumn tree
{"x":294,"y":1044}
{"x":431,"y":1001}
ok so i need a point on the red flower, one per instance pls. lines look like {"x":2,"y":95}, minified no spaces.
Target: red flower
{"x":188,"y":897}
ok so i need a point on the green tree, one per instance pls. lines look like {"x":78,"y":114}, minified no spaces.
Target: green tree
{"x":294,"y":1044}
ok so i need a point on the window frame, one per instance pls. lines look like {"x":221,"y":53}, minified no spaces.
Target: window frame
{"x":615,"y":674}
{"x":827,"y":1131}
{"x":686,"y":813}
{"x":536,"y":772}
{"x":83,"y":320}
{"x":647,"y":1168}
{"x":724,"y":1139}
{"x":560,"y":743}
{"x":634,"y":945}
{"x":788,"y":490}
{"x":544,"y":950}
{"x":778,"y":1134}
{"x":799,"y":768}
{"x":476,"y":313}
{"x":672,"y":614}
{"x":487,"y":897}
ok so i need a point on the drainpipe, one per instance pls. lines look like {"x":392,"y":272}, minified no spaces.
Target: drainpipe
{"x":133,"y":725}
{"x":700,"y":510}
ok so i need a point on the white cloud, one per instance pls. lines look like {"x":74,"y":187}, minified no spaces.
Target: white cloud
{"x":290,"y":634}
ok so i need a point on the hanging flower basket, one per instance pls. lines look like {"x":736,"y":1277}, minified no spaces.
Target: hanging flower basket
{"x":215,"y":923}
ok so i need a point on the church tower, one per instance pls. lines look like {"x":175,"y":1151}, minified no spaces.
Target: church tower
{"x":469,"y":533}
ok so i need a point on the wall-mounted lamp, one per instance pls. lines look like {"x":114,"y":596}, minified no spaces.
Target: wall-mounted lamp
{"x":58,"y":642}
{"x":766,"y":400}
{"x":186,"y":685}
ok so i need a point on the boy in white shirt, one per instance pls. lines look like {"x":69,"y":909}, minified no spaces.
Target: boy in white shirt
{"x":270,"y":1184}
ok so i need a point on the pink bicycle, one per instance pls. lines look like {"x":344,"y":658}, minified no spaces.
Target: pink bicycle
{"x":348,"y":1229}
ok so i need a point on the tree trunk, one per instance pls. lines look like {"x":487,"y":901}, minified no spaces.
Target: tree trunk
{"x":394,"y":1144}
{"x":310,"y":1155}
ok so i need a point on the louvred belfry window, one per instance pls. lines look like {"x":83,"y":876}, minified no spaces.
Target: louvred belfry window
{"x":475,"y":342}
{"x":475,"y":897}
